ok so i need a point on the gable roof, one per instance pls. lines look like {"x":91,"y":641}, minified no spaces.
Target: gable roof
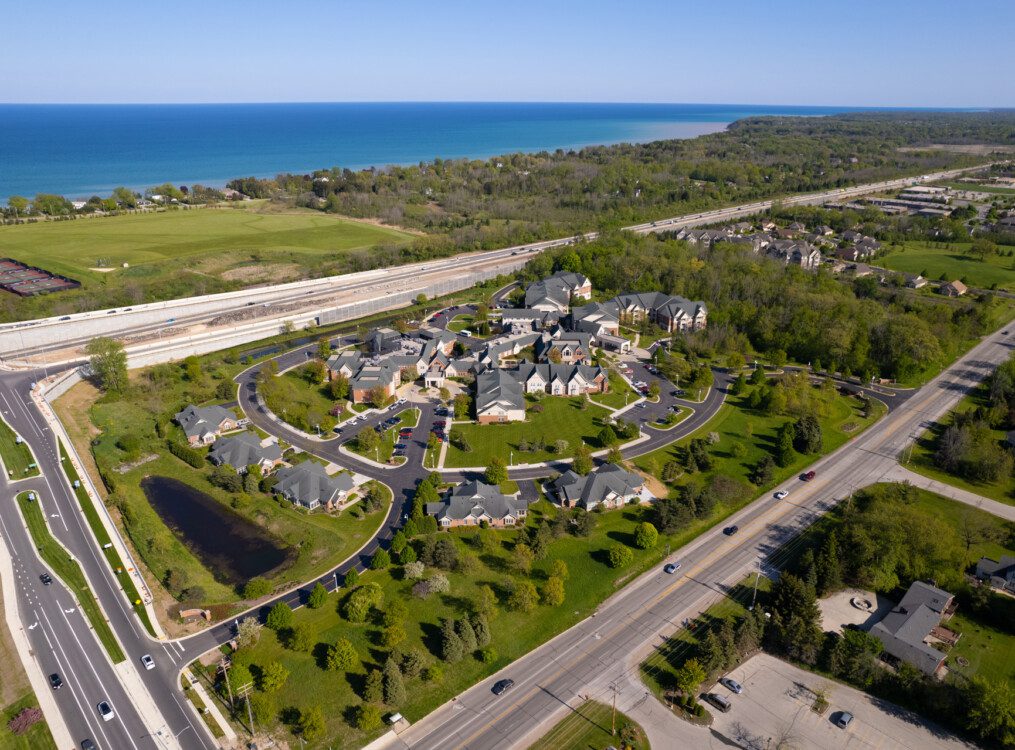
{"x":202,"y":420}
{"x":308,"y":483}
{"x":477,"y":499}
{"x":594,"y":488}
{"x":497,"y":388}
{"x":904,"y":629}
{"x":243,"y":450}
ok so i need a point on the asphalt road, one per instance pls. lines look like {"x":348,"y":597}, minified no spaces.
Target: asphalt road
{"x":605,"y":649}
{"x":62,"y":638}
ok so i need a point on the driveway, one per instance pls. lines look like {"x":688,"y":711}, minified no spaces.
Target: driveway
{"x":775,"y":708}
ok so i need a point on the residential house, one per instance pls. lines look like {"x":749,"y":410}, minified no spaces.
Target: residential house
{"x":795,"y":253}
{"x":307,"y":484}
{"x":524,"y":319}
{"x":909,"y":629}
{"x":915,"y":281}
{"x":999,"y":574}
{"x":595,"y":318}
{"x":671,"y":313}
{"x":1005,"y":224}
{"x":953,"y":289}
{"x":202,"y":424}
{"x":565,"y":347}
{"x":561,"y":380}
{"x":500,"y":350}
{"x":554,"y":294}
{"x":243,"y":450}
{"x":824,"y":230}
{"x":472,"y":503}
{"x":609,"y":486}
{"x":499,"y":397}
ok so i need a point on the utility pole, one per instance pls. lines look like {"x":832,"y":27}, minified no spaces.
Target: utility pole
{"x":224,"y":666}
{"x":244,"y":692}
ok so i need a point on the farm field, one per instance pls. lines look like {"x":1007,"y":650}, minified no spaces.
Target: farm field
{"x":951,"y":261}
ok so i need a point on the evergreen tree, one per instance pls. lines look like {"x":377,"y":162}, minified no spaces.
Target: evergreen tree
{"x":373,"y":689}
{"x":482,"y":630}
{"x":829,"y":565}
{"x":341,"y":655}
{"x":394,"y":688}
{"x":784,"y":453}
{"x":467,"y":635}
{"x":279,"y":617}
{"x":646,"y":536}
{"x":318,"y":596}
{"x":452,"y":648}
{"x":553,"y":592}
{"x":807,"y":436}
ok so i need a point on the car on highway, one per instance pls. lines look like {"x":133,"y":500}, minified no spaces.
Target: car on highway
{"x":780,"y":494}
{"x":87,"y":744}
{"x":55,"y":682}
{"x":808,"y":476}
{"x":671,"y":567}
{"x":147,"y":661}
{"x":106,"y":711}
{"x":502,"y":686}
{"x":732,"y":685}
{"x":46,"y":579}
{"x":731,"y":530}
{"x":844,"y":720}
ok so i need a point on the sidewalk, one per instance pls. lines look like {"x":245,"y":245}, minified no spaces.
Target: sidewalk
{"x":901,"y":474}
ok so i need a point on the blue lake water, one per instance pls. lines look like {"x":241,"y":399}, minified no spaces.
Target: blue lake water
{"x":81,"y":150}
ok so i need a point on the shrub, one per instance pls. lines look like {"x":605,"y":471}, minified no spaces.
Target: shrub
{"x":256,"y":588}
{"x":414,"y":570}
{"x":280,"y":617}
{"x":340,"y":655}
{"x":318,"y":596}
{"x":360,"y":600}
{"x":488,"y":655}
{"x":186,"y":453}
{"x":620,"y":556}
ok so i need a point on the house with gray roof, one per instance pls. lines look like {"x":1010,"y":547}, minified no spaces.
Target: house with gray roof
{"x":669,"y":312}
{"x":999,"y":574}
{"x":565,"y":347}
{"x":202,"y":424}
{"x":472,"y":503}
{"x":243,"y":450}
{"x":561,"y":379}
{"x":523,"y":319}
{"x":595,"y":318}
{"x":553,"y":294}
{"x":609,"y":486}
{"x":795,"y":253}
{"x":499,"y":397}
{"x":308,"y":484}
{"x":909,"y":630}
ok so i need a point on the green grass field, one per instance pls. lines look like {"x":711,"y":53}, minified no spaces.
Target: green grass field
{"x":950,"y":260}
{"x":978,"y":188}
{"x":619,"y":395}
{"x":16,"y":456}
{"x":74,"y":247}
{"x":589,"y":726}
{"x":68,"y":570}
{"x":36,"y":738}
{"x":561,"y":419}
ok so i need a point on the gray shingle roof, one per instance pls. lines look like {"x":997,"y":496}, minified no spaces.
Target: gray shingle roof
{"x":904,"y":629}
{"x":201,"y":420}
{"x":594,"y":488}
{"x":477,"y":499}
{"x":308,"y":484}
{"x":240,"y":451}
{"x":498,"y":387}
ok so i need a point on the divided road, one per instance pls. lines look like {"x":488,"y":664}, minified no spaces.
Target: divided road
{"x":604,"y":650}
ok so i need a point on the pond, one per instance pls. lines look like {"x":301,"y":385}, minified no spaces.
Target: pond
{"x":232,"y":548}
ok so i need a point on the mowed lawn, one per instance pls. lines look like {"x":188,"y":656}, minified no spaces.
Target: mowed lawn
{"x":16,"y":456}
{"x":73,"y":247}
{"x":950,"y":259}
{"x":589,"y":726}
{"x":561,"y":418}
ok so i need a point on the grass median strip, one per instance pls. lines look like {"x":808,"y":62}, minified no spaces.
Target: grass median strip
{"x":105,"y":541}
{"x":17,"y":457}
{"x":69,"y":571}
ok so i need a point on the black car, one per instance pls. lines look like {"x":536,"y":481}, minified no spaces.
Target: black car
{"x":88,"y":745}
{"x":502,"y":686}
{"x":731,"y":530}
{"x":55,"y":682}
{"x":46,"y":579}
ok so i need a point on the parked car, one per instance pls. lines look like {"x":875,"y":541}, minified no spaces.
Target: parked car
{"x":46,"y":579}
{"x":719,"y":701}
{"x":780,"y":494}
{"x":502,"y":686}
{"x":147,"y":662}
{"x":844,"y":720}
{"x":106,"y":711}
{"x":55,"y":682}
{"x":808,"y":476}
{"x":671,"y":567}
{"x":400,"y":446}
{"x":732,"y":685}
{"x":731,"y":530}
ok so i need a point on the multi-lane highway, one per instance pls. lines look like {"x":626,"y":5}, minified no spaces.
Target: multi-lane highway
{"x":151,"y":711}
{"x":160,"y":327}
{"x":604,"y":651}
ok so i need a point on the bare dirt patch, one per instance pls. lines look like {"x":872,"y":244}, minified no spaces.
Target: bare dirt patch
{"x":263,"y":272}
{"x":72,"y":409}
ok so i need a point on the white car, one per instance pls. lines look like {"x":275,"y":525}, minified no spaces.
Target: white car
{"x":781,"y":494}
{"x":148,"y":662}
{"x":106,"y":711}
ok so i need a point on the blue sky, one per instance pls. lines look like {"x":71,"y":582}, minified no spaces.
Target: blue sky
{"x":891,"y":52}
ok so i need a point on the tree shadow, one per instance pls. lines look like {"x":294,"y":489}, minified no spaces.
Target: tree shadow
{"x":431,"y":638}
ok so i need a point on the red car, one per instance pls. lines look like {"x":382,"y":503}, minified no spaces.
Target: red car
{"x":808,"y":476}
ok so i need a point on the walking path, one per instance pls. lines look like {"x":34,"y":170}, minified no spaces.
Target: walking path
{"x":900,"y":473}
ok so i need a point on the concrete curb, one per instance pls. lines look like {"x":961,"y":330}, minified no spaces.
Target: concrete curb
{"x":36,"y":675}
{"x":210,"y":704}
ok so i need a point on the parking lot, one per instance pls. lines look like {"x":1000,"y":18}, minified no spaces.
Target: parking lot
{"x":774,"y":711}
